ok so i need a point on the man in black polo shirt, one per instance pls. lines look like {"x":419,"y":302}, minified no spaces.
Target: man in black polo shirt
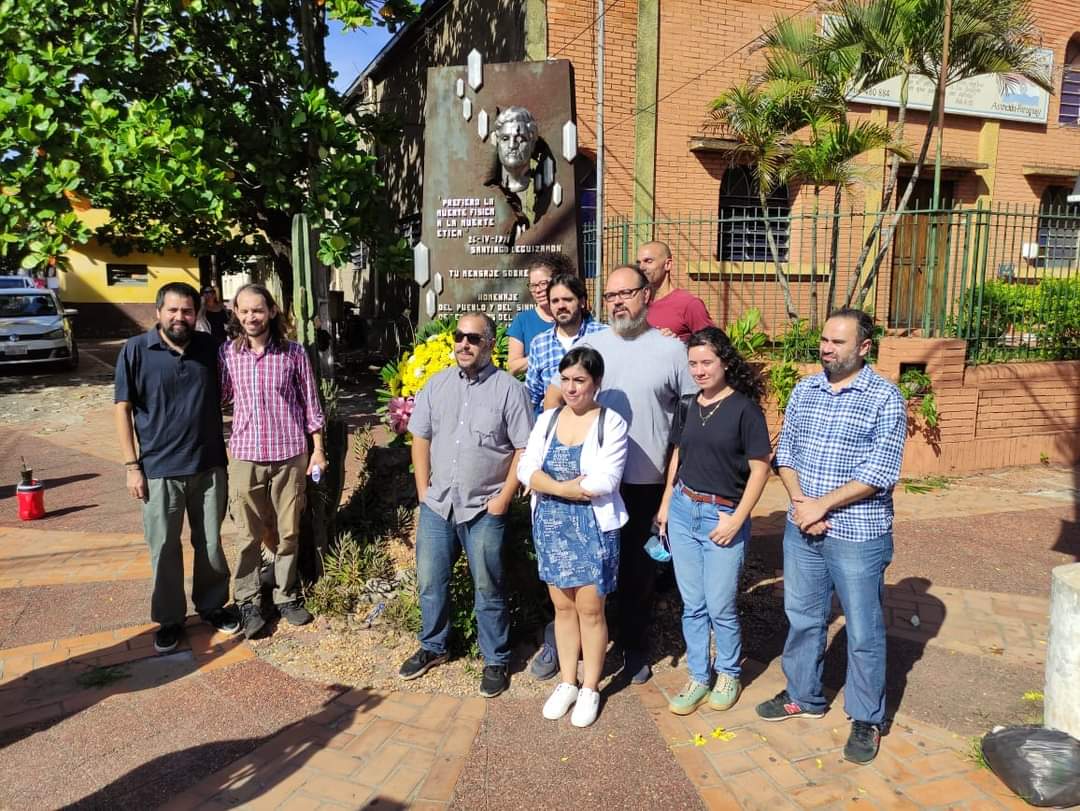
{"x":167,"y":396}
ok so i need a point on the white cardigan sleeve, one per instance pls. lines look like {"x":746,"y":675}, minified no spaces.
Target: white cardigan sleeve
{"x":605,"y":465}
{"x":533,"y":457}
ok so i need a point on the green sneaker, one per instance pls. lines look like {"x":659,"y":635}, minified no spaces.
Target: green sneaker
{"x":693,"y":695}
{"x":725,"y":693}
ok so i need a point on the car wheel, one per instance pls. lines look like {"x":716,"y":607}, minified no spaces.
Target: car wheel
{"x":72,"y":362}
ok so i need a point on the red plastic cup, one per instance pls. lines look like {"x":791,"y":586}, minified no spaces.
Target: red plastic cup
{"x":31,"y":499}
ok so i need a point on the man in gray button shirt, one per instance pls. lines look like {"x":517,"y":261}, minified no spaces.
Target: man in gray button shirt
{"x":469,"y":425}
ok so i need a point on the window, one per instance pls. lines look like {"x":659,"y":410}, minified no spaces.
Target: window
{"x":742,"y":226}
{"x":127,"y":275}
{"x":1059,"y":229}
{"x":1069,"y":111}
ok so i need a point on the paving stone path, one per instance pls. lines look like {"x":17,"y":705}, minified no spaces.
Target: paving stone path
{"x":96,"y":719}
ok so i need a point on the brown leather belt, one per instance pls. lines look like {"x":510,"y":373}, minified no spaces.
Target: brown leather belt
{"x":705,"y":498}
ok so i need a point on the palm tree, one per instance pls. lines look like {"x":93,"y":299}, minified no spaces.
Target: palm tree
{"x":819,"y":80}
{"x":761,"y":122}
{"x":885,"y":39}
{"x":829,"y":159}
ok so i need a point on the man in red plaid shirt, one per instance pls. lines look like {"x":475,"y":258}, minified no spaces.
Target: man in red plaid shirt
{"x":271,"y":385}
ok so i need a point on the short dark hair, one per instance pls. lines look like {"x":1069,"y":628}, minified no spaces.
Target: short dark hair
{"x":643,"y":280}
{"x":555,"y":262}
{"x":587,"y":358}
{"x":178,"y":289}
{"x":864,"y":324}
{"x":572,"y":282}
{"x":489,"y":324}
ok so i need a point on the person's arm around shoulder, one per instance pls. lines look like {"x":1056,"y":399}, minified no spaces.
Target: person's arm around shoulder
{"x":123,"y":414}
{"x":606,"y":468}
{"x":225,"y":374}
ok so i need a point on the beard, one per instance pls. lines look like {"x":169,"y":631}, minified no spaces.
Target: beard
{"x":630,"y":326}
{"x":841,"y":368}
{"x":179,"y":334}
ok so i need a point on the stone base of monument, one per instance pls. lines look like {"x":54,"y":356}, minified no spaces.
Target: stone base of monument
{"x":1062,"y":693}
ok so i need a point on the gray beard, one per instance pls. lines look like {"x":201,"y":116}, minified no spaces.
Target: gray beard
{"x":631,"y":327}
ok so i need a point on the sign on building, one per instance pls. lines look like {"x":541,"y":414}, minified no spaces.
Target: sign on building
{"x":986,"y":96}
{"x":499,"y":148}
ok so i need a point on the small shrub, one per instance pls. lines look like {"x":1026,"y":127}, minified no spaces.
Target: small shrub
{"x":402,"y":612}
{"x":349,"y":565}
{"x":800,"y":343}
{"x":745,"y":333}
{"x":782,"y":379}
{"x":916,"y":384}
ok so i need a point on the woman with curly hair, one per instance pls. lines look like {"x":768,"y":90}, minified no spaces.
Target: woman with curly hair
{"x":718,"y":468}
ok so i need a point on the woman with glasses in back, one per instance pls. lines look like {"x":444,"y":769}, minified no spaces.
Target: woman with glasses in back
{"x":573,"y":464}
{"x":718,"y":469}
{"x":530,"y":322}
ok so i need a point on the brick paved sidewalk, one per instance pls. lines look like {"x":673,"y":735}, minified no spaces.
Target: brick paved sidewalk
{"x":196,"y":712}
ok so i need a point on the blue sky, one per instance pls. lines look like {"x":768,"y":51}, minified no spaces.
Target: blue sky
{"x":349,"y":52}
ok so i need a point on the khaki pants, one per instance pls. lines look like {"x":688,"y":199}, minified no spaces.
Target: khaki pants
{"x":202,"y":498}
{"x":265,"y":495}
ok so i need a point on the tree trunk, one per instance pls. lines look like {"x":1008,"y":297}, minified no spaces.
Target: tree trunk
{"x":890,"y":229}
{"x":781,"y":276}
{"x":813,"y":259}
{"x":886,"y":193}
{"x":830,"y":302}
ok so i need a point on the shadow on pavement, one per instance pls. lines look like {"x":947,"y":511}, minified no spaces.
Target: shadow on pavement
{"x":8,"y":490}
{"x":257,"y":767}
{"x":47,"y":695}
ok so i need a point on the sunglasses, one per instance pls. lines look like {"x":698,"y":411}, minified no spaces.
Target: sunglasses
{"x":474,"y":338}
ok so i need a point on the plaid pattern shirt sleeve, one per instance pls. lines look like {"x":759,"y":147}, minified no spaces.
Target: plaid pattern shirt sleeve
{"x":275,"y":403}
{"x":857,"y":434}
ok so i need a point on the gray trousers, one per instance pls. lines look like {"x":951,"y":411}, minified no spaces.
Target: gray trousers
{"x":203,"y":498}
{"x":267,"y":496}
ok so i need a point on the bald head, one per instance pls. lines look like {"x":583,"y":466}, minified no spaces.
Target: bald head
{"x":654,"y":260}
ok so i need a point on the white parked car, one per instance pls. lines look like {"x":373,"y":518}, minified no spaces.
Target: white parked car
{"x":35,"y":328}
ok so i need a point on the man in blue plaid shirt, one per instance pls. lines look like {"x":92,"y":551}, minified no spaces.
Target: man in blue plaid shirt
{"x":839,"y":457}
{"x":568,"y":301}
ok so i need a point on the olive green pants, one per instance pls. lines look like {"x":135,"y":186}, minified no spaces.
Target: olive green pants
{"x":267,"y":496}
{"x":202,"y":497}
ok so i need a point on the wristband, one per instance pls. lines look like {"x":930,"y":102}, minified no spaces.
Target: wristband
{"x":136,"y":463}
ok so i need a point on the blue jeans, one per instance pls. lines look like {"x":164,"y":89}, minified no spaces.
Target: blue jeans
{"x":438,"y":542}
{"x":813,"y":567}
{"x":708,"y":579}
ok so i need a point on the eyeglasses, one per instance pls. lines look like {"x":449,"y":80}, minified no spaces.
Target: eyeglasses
{"x":625,"y":294}
{"x":540,"y":285}
{"x":474,"y":338}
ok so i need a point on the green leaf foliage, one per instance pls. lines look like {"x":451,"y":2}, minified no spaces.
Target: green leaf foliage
{"x":199,"y":124}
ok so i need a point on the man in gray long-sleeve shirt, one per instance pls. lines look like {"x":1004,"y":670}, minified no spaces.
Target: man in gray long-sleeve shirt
{"x":469,"y":426}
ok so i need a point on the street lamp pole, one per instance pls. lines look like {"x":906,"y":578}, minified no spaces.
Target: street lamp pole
{"x":598,"y":247}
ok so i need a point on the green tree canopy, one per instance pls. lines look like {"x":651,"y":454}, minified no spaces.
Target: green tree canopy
{"x":199,"y":124}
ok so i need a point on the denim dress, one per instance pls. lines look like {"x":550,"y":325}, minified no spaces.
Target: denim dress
{"x":571,"y":549}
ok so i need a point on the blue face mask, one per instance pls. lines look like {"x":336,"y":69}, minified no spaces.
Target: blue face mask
{"x":656,"y":548}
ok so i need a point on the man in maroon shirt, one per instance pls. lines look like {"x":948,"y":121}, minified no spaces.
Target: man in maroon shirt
{"x":672,"y":310}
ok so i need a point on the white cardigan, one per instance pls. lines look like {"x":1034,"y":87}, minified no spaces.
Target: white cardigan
{"x":602,"y":467}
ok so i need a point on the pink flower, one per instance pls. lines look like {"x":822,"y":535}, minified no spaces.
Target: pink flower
{"x":400,"y":409}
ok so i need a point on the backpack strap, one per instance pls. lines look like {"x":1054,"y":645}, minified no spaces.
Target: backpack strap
{"x":552,"y":422}
{"x":681,"y":412}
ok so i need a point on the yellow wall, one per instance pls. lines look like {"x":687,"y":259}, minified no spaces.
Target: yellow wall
{"x":85,"y":282}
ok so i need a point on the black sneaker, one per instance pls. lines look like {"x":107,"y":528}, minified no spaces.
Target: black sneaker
{"x":862,"y":743}
{"x":782,"y":706}
{"x":167,"y":637}
{"x":224,"y":620}
{"x":494,"y":680}
{"x":295,"y":613}
{"x":251,"y":620}
{"x":420,"y":663}
{"x":636,"y":666}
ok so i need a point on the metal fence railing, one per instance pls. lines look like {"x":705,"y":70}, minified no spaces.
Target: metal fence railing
{"x":1005,"y":278}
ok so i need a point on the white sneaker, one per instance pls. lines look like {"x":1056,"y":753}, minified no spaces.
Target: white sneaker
{"x":560,"y":701}
{"x":586,"y":708}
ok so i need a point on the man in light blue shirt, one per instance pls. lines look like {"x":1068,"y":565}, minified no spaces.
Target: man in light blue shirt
{"x":839,"y":457}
